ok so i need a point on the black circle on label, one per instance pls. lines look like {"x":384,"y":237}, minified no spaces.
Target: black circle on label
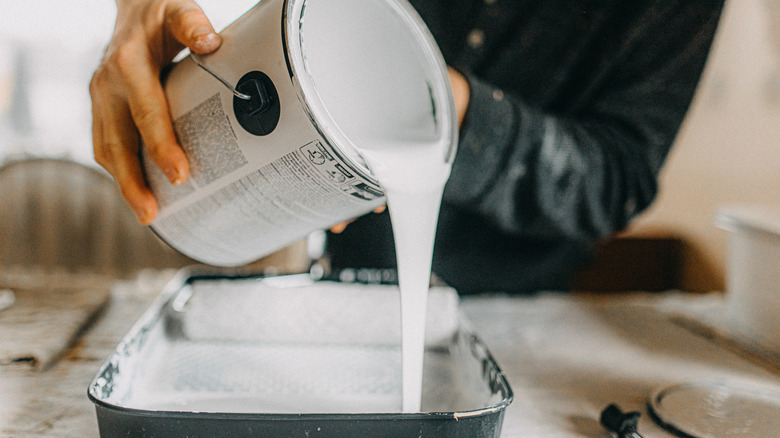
{"x":260,"y":114}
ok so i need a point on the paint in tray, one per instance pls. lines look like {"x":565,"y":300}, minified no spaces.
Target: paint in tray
{"x":183,"y":372}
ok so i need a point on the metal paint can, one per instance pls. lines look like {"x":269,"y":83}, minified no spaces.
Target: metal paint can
{"x":268,"y":170}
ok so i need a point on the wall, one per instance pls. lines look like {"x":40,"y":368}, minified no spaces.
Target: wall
{"x":47,"y":57}
{"x":728,"y":150}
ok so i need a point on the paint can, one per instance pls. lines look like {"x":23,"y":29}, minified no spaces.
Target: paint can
{"x":272,"y":123}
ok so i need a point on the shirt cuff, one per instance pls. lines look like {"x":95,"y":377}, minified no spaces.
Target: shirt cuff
{"x":488,"y":128}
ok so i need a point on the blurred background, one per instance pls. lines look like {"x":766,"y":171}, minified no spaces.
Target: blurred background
{"x":48,"y":51}
{"x":727,"y":152}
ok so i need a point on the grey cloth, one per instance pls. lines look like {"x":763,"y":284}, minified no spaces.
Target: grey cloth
{"x":50,"y":310}
{"x":574,"y":107}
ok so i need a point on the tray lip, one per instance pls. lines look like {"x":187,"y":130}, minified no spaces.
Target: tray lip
{"x":190,"y":274}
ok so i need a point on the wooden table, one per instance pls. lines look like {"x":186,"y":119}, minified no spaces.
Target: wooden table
{"x":566,"y":356}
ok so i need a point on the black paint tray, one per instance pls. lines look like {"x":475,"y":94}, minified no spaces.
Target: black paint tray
{"x":232,"y":355}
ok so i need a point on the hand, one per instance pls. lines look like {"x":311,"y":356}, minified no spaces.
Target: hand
{"x":460,"y":93}
{"x":128,"y":102}
{"x":341,"y":226}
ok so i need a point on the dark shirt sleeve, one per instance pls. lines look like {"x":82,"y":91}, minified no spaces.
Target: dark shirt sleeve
{"x":583,"y":171}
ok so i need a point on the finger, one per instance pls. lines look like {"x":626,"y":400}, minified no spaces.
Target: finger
{"x":189,"y":25}
{"x":97,"y":128}
{"x":101,"y":149}
{"x":149,"y":111}
{"x":339,"y":228}
{"x":119,"y":151}
{"x":461,"y":93}
{"x":131,"y":182}
{"x":380,"y":209}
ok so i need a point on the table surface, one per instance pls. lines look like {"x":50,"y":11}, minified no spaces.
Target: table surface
{"x":566,"y":356}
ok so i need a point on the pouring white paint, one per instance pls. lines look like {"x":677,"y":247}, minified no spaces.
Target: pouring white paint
{"x":413,"y":176}
{"x":386,"y":95}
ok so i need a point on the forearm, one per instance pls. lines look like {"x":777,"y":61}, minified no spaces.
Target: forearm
{"x":528,"y":171}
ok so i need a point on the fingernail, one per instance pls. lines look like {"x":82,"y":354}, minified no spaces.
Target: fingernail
{"x":173,"y":176}
{"x":143,"y":215}
{"x":204,"y":39}
{"x":201,"y":31}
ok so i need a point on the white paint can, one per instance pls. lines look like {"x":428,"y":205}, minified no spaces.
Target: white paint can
{"x":268,"y":171}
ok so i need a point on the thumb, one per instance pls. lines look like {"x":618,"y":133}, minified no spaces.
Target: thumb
{"x":187,"y":23}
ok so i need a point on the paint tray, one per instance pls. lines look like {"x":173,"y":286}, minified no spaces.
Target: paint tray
{"x":235,"y":355}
